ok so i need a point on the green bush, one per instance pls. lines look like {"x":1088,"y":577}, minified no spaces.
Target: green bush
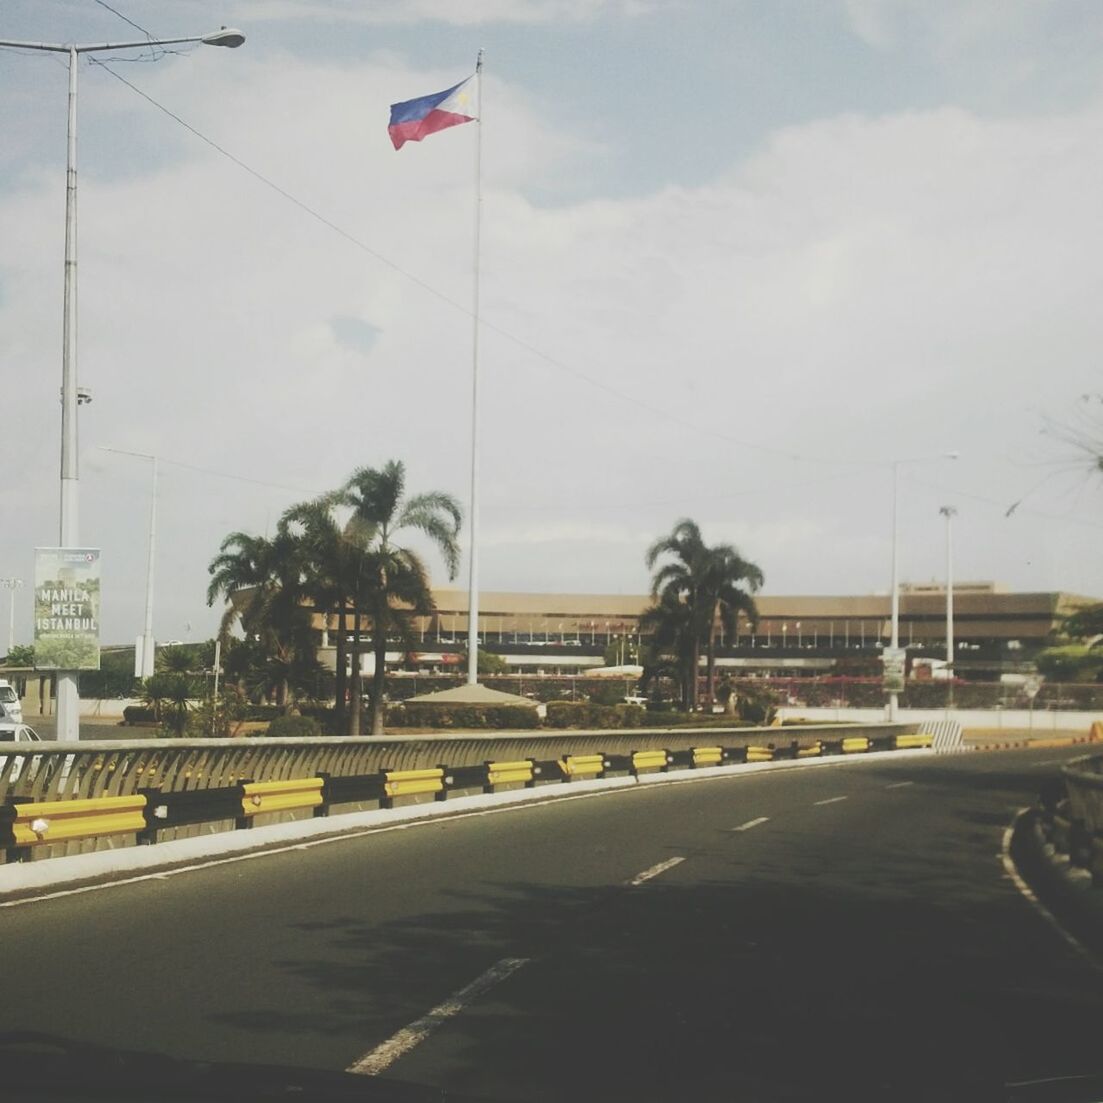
{"x":293,"y":727}
{"x":138,"y":714}
{"x":587,"y":714}
{"x":691,"y":720}
{"x":463,"y":716}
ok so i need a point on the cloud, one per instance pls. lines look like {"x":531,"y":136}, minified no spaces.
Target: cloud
{"x":860,"y":288}
{"x":444,"y":11}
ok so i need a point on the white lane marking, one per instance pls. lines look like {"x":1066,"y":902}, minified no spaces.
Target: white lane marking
{"x":1047,"y":762}
{"x":1025,"y":889}
{"x":386,"y":1053}
{"x":829,"y":800}
{"x":899,"y":784}
{"x":750,"y":823}
{"x":655,"y":870}
{"x":738,"y":773}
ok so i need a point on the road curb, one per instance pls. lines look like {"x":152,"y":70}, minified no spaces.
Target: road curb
{"x":1068,"y":898}
{"x":1029,"y":744}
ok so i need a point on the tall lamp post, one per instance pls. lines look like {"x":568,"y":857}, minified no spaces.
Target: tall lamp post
{"x":949,"y":512}
{"x":11,"y":584}
{"x":146,"y":652}
{"x":893,"y":695}
{"x":68,"y":701}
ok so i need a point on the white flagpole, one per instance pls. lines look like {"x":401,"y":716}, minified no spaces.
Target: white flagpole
{"x":473,"y":517}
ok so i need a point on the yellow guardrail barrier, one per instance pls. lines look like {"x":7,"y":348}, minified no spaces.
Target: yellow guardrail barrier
{"x":648,"y":760}
{"x":57,"y":820}
{"x":760,"y":754}
{"x":581,"y":765}
{"x":407,"y":783}
{"x":500,"y":773}
{"x":280,"y":796}
{"x":855,"y":744}
{"x":920,"y":739}
{"x":811,"y":752}
{"x":707,"y":756}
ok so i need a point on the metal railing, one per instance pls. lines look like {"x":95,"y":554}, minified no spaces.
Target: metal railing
{"x":198,"y":786}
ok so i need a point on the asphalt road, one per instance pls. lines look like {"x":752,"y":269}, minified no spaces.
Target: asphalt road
{"x":859,"y":939}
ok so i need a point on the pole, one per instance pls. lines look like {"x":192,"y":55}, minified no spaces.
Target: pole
{"x":948,"y":512}
{"x":895,"y":578}
{"x":473,"y":578}
{"x":148,"y":646}
{"x":217,"y":671}
{"x":68,"y":700}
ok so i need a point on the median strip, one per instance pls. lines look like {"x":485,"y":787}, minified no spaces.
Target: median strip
{"x":386,"y":1053}
{"x":655,"y":870}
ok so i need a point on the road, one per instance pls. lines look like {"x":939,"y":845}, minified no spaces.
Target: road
{"x":829,"y":932}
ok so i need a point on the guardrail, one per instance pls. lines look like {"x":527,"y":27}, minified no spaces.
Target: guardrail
{"x":154,"y":790}
{"x":1078,"y":824}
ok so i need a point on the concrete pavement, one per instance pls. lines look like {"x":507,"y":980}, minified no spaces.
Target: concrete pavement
{"x":825,"y":932}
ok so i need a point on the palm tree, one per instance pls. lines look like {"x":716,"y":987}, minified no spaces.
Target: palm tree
{"x":390,"y":582}
{"x":262,"y":581}
{"x":327,"y":565}
{"x":668,"y":625}
{"x":713,"y":583}
{"x":729,"y":582}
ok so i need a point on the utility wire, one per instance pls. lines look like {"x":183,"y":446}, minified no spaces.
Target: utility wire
{"x":550,"y":361}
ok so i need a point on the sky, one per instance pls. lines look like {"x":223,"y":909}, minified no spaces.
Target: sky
{"x":737,"y":259}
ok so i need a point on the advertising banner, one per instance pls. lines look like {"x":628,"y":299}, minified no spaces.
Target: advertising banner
{"x":67,"y":608}
{"x":895,"y":661}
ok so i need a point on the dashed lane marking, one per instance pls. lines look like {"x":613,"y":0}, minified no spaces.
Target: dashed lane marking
{"x":899,"y":784}
{"x":386,"y":1053}
{"x":750,"y":823}
{"x":655,"y":870}
{"x":829,"y":800}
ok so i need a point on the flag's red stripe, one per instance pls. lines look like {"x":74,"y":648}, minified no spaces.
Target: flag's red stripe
{"x":415,"y":130}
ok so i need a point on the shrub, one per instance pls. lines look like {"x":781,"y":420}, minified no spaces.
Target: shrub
{"x":587,"y":714}
{"x":293,"y":727}
{"x":139,"y":714}
{"x":463,"y":716}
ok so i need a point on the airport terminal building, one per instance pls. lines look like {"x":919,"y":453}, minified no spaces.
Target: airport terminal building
{"x":995,"y":632}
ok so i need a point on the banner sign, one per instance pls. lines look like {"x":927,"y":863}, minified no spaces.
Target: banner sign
{"x":892,"y":677}
{"x":67,"y":608}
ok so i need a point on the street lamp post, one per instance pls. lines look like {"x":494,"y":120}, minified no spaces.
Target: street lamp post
{"x":68,"y":701}
{"x":146,"y":652}
{"x":893,"y":696}
{"x":949,"y":513}
{"x":12,"y":584}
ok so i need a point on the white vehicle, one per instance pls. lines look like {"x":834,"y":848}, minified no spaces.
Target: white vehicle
{"x":11,"y":708}
{"x":18,"y":733}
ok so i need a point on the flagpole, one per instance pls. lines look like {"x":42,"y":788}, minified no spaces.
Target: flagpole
{"x":473,"y":518}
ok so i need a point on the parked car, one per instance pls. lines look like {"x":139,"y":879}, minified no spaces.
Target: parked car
{"x":11,"y":708}
{"x":18,"y":733}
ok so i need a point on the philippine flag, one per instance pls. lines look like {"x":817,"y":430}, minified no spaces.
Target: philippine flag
{"x":416,"y":119}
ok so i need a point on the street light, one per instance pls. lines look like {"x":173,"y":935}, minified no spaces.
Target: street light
{"x":146,"y":651}
{"x":893,"y":696}
{"x":68,"y":702}
{"x":12,"y":585}
{"x":949,"y":512}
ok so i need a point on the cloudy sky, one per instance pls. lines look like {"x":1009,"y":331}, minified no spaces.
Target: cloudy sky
{"x":737,"y":258}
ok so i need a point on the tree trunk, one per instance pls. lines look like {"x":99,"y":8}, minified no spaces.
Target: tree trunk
{"x":379,"y":680}
{"x":710,"y":684}
{"x":693,"y":686}
{"x":355,"y":681}
{"x":341,"y":684}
